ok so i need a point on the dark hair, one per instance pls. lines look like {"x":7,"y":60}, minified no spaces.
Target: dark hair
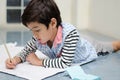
{"x":41,"y":11}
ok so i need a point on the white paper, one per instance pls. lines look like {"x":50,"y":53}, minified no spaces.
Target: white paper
{"x":25,"y":70}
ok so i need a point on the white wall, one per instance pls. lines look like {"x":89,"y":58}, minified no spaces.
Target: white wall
{"x":2,"y":12}
{"x":75,"y":12}
{"x":82,"y":13}
{"x":2,"y":20}
{"x":105,"y":17}
{"x":65,"y":7}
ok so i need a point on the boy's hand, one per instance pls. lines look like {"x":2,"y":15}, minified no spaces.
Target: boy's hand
{"x":11,"y":63}
{"x":33,"y":59}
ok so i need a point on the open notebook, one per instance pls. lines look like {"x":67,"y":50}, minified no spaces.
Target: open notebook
{"x":25,"y":70}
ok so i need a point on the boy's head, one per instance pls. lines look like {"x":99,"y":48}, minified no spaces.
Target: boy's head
{"x":41,"y":11}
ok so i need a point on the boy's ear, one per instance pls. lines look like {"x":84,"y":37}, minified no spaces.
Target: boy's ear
{"x":53,"y":23}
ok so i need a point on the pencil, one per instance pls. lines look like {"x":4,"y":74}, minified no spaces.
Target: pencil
{"x":7,"y":51}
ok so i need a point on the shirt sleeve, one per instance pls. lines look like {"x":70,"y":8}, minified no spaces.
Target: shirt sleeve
{"x":68,"y":52}
{"x":29,"y":48}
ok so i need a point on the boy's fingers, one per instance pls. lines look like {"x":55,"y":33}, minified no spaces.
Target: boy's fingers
{"x":10,"y":66}
{"x":10,"y":62}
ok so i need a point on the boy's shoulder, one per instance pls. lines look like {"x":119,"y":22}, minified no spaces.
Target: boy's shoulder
{"x":67,"y":24}
{"x":68,"y":27}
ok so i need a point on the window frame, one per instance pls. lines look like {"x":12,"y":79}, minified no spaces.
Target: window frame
{"x":21,"y":8}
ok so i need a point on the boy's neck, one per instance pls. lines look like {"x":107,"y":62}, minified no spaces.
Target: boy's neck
{"x":50,"y":42}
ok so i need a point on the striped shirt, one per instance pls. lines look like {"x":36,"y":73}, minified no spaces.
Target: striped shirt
{"x":67,"y":54}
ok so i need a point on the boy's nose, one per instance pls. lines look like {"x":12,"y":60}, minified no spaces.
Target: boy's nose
{"x":36,"y":36}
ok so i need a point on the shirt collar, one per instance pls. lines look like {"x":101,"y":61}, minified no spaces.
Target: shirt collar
{"x":58,"y":38}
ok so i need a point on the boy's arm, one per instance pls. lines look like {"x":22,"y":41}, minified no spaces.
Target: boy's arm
{"x":29,"y":48}
{"x":68,"y":52}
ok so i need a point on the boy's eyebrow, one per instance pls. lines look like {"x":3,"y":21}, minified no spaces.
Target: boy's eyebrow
{"x":33,"y":28}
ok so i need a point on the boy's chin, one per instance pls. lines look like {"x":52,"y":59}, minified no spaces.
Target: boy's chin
{"x":43,"y":43}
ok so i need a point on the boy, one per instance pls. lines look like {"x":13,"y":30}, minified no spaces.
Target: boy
{"x":59,"y":41}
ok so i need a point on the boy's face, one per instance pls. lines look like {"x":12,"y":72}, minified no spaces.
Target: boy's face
{"x":41,"y":33}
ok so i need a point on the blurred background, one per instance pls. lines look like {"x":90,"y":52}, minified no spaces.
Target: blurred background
{"x":100,"y":16}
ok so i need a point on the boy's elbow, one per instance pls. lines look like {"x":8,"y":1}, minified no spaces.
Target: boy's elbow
{"x":66,"y":64}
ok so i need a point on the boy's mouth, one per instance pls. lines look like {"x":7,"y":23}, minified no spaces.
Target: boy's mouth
{"x":39,"y":40}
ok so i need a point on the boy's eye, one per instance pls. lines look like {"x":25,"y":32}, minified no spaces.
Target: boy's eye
{"x":37,"y":30}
